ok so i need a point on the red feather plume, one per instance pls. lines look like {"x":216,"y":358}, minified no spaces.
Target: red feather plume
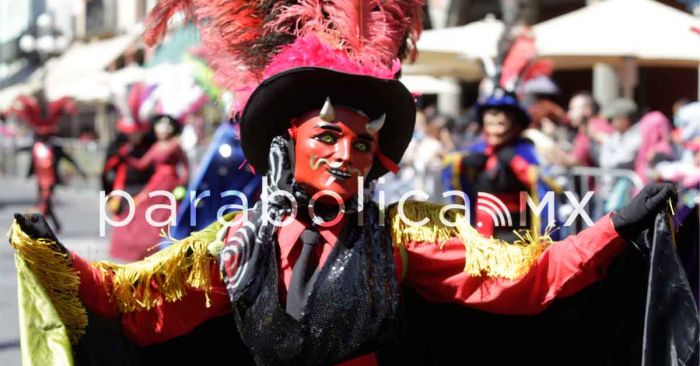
{"x":519,"y":64}
{"x":29,"y":109}
{"x":241,"y":37}
{"x":157,"y":23}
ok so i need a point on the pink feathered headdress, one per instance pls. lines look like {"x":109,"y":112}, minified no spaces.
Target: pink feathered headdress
{"x":249,"y":41}
{"x":132,"y":119}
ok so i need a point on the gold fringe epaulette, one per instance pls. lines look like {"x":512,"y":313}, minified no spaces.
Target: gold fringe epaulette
{"x":51,"y":266}
{"x":165,"y":275}
{"x":483,"y":256}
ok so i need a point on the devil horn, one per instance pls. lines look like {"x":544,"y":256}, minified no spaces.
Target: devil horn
{"x":375,"y":125}
{"x":327,"y":112}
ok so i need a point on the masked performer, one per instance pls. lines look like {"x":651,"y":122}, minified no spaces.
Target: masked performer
{"x":134,"y":240}
{"x":135,"y":139}
{"x":503,"y":163}
{"x":43,"y":116}
{"x":304,"y":283}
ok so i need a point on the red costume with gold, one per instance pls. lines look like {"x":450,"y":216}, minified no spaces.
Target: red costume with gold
{"x":312,"y":274}
{"x":43,"y":117}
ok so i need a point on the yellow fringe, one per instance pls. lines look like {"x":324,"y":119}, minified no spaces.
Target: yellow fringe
{"x":455,"y":161}
{"x":167,"y":274}
{"x":59,"y":279}
{"x":489,"y":256}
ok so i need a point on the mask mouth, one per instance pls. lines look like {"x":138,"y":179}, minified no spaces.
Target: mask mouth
{"x":339,"y":174}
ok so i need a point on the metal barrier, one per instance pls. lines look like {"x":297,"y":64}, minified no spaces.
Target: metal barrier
{"x":588,"y":179}
{"x":583,"y":171}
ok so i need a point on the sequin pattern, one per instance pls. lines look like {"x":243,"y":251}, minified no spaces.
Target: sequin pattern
{"x":353,"y":307}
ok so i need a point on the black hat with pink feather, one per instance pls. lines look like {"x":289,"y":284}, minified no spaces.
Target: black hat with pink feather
{"x":284,"y":58}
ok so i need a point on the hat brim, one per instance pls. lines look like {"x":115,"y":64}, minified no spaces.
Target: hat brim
{"x":289,"y":94}
{"x":521,"y":115}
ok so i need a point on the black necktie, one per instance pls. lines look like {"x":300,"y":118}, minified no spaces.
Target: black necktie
{"x":305,"y":266}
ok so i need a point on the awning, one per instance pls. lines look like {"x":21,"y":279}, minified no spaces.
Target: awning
{"x":457,"y":51}
{"x":424,"y":84}
{"x":610,"y":31}
{"x":81,"y":73}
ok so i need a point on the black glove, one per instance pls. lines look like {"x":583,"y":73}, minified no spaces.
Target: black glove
{"x":36,"y":227}
{"x":639,"y":214}
{"x":474,"y":160}
{"x":505,"y":154}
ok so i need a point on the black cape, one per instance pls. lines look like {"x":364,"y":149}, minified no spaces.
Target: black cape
{"x":641,"y":313}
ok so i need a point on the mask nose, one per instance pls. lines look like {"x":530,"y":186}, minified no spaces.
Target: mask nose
{"x":342,"y":151}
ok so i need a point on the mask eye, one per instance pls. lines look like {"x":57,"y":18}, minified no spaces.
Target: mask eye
{"x":362,"y":146}
{"x":327,"y":138}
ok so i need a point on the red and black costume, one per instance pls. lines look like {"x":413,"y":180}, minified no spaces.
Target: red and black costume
{"x":302,"y":287}
{"x":43,"y":117}
{"x":134,"y":139}
{"x":502,"y":165}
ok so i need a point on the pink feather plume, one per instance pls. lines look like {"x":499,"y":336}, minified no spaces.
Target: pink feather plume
{"x":370,"y":31}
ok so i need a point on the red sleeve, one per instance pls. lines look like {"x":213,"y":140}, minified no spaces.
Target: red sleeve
{"x":564,"y":268}
{"x":173,"y":319}
{"x":94,"y":288}
{"x":145,"y":161}
{"x":525,"y":172}
{"x":166,"y":321}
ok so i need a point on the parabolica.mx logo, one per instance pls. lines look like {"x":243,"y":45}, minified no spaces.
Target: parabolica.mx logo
{"x":489,"y":207}
{"x":495,"y":208}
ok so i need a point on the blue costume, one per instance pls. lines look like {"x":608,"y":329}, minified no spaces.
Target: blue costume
{"x":222,"y":171}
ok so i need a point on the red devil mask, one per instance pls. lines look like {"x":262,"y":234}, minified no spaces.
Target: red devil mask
{"x":334,"y":147}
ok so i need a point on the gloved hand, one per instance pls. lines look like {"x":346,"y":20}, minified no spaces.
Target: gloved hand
{"x":639,"y":214}
{"x":36,"y":227}
{"x":474,"y":160}
{"x":506,"y":153}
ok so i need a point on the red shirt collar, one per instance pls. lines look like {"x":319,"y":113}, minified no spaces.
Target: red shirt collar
{"x":288,"y":235}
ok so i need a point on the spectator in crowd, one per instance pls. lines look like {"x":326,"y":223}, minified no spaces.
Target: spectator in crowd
{"x":684,"y":171}
{"x":549,"y":117}
{"x":586,"y":131}
{"x":620,"y":149}
{"x":467,"y":129}
{"x":429,"y":152}
{"x":548,"y":130}
{"x":655,"y":131}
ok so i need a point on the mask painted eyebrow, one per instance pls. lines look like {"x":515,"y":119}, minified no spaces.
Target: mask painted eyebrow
{"x":334,"y":128}
{"x":365,"y":137}
{"x":328,"y":126}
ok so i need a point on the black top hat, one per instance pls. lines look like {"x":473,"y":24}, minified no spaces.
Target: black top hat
{"x":507,"y":101}
{"x":291,"y":93}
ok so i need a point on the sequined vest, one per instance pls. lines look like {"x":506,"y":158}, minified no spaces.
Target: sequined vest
{"x":352,"y":309}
